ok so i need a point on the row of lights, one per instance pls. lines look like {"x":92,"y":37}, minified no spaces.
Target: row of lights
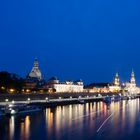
{"x":29,"y":99}
{"x":7,"y":100}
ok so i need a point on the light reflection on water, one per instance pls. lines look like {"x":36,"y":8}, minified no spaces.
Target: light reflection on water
{"x":74,"y":121}
{"x":25,"y":129}
{"x":12,"y":127}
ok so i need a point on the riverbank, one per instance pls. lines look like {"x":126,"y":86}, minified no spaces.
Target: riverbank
{"x":24,"y":97}
{"x":50,"y":100}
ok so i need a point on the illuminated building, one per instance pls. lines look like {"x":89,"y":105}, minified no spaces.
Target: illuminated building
{"x":55,"y":85}
{"x":35,"y":72}
{"x":34,"y":81}
{"x":97,"y":88}
{"x":105,"y":87}
{"x":30,"y":84}
{"x":132,"y":80}
{"x":115,"y":87}
{"x":117,"y":80}
{"x":131,"y":87}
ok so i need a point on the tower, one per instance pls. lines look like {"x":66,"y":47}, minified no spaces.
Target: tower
{"x":132,"y":80}
{"x":36,"y":64}
{"x":117,"y":80}
{"x":35,"y":72}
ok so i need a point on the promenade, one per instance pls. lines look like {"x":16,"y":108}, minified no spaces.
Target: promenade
{"x":48,"y":100}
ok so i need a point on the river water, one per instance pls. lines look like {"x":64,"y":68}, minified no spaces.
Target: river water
{"x":91,"y":121}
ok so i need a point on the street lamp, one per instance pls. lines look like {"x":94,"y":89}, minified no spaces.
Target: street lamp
{"x":6,"y":100}
{"x":13,"y":102}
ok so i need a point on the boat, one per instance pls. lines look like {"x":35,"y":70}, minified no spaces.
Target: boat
{"x":23,"y":109}
{"x":12,"y":109}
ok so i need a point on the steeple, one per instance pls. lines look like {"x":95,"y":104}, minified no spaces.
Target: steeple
{"x":117,"y":80}
{"x":36,"y":64}
{"x":132,"y":80}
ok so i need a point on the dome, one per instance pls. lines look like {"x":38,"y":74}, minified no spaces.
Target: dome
{"x":54,"y":80}
{"x":35,"y":73}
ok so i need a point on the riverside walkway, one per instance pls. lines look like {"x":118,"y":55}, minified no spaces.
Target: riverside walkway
{"x":47,"y":100}
{"x":55,"y":100}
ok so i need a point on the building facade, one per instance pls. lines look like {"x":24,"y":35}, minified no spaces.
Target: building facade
{"x":131,"y":86}
{"x":97,"y":88}
{"x":34,"y":81}
{"x":54,"y":85}
{"x":115,"y":86}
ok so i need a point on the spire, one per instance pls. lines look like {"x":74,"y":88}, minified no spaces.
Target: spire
{"x":36,"y":64}
{"x":132,"y":74}
{"x":117,"y":80}
{"x":132,"y":80}
{"x":117,"y":75}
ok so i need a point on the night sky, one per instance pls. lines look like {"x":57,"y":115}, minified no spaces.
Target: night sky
{"x":73,"y":39}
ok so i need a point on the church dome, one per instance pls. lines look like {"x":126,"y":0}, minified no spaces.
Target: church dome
{"x":35,"y":72}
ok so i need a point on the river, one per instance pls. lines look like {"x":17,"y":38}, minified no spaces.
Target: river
{"x":91,"y":121}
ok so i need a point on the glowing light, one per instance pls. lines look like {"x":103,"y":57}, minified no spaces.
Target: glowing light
{"x":6,"y":100}
{"x":12,"y":90}
{"x":13,"y":112}
{"x":3,"y":88}
{"x":10,"y":105}
{"x":13,"y":102}
{"x":27,"y":90}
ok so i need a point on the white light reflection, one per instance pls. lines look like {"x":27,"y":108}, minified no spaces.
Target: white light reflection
{"x":12,"y":127}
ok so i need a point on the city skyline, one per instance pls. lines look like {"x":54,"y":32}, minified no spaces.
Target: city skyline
{"x":36,"y":66}
{"x":69,"y":70}
{"x":89,"y":40}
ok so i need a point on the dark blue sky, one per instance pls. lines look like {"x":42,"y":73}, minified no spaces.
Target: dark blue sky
{"x":87,"y":39}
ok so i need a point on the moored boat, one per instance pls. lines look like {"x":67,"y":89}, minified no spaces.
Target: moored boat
{"x":22,"y":109}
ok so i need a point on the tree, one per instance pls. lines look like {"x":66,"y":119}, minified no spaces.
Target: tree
{"x":10,"y":81}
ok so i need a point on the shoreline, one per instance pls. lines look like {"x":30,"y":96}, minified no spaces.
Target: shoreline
{"x":52,"y":100}
{"x":36,"y":96}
